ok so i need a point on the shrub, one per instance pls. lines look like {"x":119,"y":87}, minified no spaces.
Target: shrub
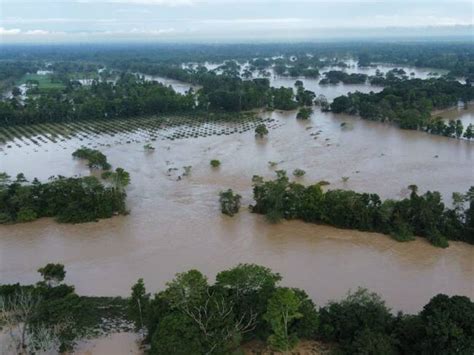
{"x":261,"y":130}
{"x":299,"y":172}
{"x":230,"y":202}
{"x":215,"y":163}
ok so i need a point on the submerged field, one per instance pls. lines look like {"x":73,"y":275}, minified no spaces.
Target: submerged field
{"x":137,"y":130}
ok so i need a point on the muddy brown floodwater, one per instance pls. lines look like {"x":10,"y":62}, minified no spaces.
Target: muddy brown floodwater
{"x":176,"y":225}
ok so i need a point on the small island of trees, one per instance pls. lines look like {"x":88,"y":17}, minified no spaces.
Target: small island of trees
{"x":420,"y":215}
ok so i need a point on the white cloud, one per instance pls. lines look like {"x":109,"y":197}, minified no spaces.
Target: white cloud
{"x":17,"y":31}
{"x":149,"y":2}
{"x":36,"y":33}
{"x":254,"y":21}
{"x":137,"y":31}
{"x":13,"y":31}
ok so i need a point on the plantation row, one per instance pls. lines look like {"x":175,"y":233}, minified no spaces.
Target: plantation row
{"x":147,"y":128}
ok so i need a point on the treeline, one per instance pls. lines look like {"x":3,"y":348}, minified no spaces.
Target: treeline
{"x":69,"y":200}
{"x":419,"y":215}
{"x":336,"y":76}
{"x":129,"y":96}
{"x":225,"y":90}
{"x":133,"y":96}
{"x":408,"y":103}
{"x":192,"y":316}
{"x":246,"y":302}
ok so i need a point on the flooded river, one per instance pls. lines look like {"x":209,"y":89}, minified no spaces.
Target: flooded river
{"x":177,"y":225}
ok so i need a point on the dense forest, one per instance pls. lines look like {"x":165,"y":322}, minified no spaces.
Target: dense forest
{"x":419,"y":215}
{"x":457,"y":57}
{"x":117,"y":91}
{"x":246,"y":302}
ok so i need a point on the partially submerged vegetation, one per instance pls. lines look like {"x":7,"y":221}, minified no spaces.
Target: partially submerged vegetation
{"x":409,"y":104}
{"x":247,"y":303}
{"x":68,"y":200}
{"x":49,"y":317}
{"x":420,"y":215}
{"x":215,"y":163}
{"x":230,"y":202}
{"x":261,"y":130}
{"x":95,"y":158}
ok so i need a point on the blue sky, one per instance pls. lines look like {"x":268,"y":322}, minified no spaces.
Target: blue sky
{"x":227,"y":20}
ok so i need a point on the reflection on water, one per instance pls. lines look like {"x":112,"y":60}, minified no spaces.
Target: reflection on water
{"x":176,"y":225}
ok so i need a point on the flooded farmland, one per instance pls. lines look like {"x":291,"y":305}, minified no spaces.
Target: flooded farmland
{"x":177,"y":225}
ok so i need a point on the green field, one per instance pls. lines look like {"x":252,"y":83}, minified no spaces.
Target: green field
{"x":44,"y":81}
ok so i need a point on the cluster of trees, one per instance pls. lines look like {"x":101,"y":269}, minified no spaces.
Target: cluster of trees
{"x":337,"y":76}
{"x":95,"y":159}
{"x":129,"y":96}
{"x":453,"y":129}
{"x":69,"y":200}
{"x":48,"y":317}
{"x":421,"y":215}
{"x":246,"y":302}
{"x":408,"y":103}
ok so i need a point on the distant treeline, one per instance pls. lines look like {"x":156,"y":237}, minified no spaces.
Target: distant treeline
{"x":457,"y":57}
{"x":419,"y":215}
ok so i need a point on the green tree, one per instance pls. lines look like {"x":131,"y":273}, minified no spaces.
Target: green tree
{"x":230,"y":202}
{"x":261,"y":130}
{"x":138,"y":303}
{"x":282,"y":311}
{"x":53,"y":274}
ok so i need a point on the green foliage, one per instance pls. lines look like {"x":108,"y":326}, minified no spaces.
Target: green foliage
{"x":304,"y":113}
{"x":282,"y":311}
{"x":230,"y":202}
{"x":177,"y":334}
{"x":337,"y":76}
{"x":149,"y":147}
{"x":355,"y":321}
{"x":409,"y":103}
{"x":119,"y":178}
{"x":299,"y":172}
{"x":215,"y":163}
{"x":422,"y":215}
{"x":261,"y":130}
{"x":95,"y":158}
{"x":53,"y":274}
{"x":70,"y":200}
{"x":138,"y":303}
{"x":56,"y":307}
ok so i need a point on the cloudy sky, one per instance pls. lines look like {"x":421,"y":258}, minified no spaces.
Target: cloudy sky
{"x":228,"y":20}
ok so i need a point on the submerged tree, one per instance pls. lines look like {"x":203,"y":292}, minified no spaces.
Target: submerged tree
{"x":261,"y":130}
{"x":304,"y":113}
{"x":230,"y":202}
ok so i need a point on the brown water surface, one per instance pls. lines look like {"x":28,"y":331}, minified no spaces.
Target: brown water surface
{"x":176,"y":225}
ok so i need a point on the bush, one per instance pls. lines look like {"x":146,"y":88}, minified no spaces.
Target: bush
{"x":230,"y":202}
{"x":304,"y":113}
{"x":95,"y":158}
{"x":215,"y":163}
{"x":299,"y":172}
{"x":261,"y":130}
